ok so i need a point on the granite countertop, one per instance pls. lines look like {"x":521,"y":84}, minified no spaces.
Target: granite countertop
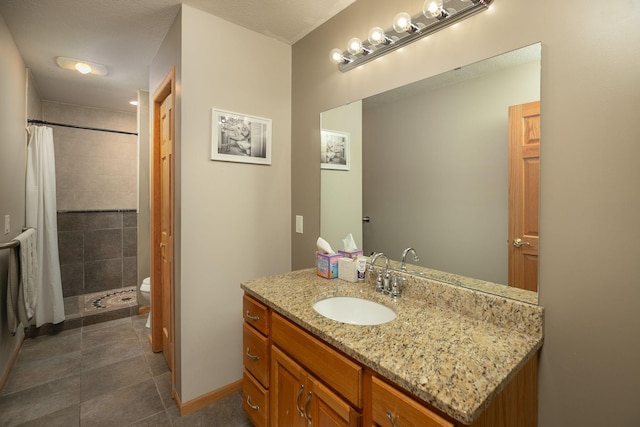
{"x":454,"y":348}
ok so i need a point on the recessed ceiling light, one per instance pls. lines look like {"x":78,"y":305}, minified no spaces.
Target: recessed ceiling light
{"x":84,"y":67}
{"x":133,"y":102}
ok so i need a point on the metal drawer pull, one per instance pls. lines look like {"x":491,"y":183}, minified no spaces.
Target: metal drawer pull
{"x":251,"y":356}
{"x":391,"y":418}
{"x":250,"y":317}
{"x":252,"y":406}
{"x":306,"y":406}
{"x":298,"y":400}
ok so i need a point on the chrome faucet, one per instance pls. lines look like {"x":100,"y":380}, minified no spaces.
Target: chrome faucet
{"x":382,"y":281}
{"x":403,"y":266}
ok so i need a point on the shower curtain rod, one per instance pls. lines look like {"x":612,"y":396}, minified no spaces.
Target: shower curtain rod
{"x":43,"y":122}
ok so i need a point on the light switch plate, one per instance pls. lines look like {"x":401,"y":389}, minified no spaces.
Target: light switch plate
{"x":7,"y":224}
{"x":299,"y":224}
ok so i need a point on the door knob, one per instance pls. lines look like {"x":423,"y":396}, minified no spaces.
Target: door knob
{"x":518,"y":243}
{"x":366,"y":219}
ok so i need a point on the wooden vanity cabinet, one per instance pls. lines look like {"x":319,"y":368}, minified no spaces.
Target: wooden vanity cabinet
{"x":294,"y":379}
{"x":256,"y":360}
{"x":299,"y":400}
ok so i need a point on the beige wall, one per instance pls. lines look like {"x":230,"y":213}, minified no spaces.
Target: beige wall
{"x":234,"y":218}
{"x":589,"y":374}
{"x":13,"y":140}
{"x":94,"y":170}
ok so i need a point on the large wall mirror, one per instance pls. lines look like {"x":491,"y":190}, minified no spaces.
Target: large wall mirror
{"x":429,"y":169}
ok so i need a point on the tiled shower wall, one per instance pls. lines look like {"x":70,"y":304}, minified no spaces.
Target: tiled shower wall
{"x":94,"y":170}
{"x":96,"y":194}
{"x":97,"y":251}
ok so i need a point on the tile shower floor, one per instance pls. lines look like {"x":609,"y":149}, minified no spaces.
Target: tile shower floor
{"x":101,"y":375}
{"x":100,"y":302}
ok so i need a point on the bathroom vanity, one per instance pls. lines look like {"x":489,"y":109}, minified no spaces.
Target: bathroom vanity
{"x":451,"y":357}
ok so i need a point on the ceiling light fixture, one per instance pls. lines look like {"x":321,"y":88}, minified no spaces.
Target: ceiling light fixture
{"x":81,"y":66}
{"x":436,"y":15}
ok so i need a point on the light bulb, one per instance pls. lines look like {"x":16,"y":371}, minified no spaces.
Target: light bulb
{"x":83,"y":68}
{"x":336,"y":56}
{"x":354,"y":46}
{"x":376,"y":36}
{"x":402,"y":22}
{"x":434,"y":9}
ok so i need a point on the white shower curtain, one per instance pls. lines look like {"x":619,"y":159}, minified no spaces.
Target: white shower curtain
{"x":41,"y":214}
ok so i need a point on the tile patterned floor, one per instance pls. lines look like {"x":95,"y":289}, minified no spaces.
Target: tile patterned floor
{"x":100,"y":302}
{"x":101,"y":375}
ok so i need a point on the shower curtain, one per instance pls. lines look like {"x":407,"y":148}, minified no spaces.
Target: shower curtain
{"x":41,"y":214}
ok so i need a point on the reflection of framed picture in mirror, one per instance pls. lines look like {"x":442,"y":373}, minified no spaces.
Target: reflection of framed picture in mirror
{"x":334,"y":150}
{"x":240,"y":138}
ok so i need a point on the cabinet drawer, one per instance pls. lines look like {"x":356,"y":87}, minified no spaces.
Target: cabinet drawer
{"x":255,"y":401}
{"x":255,"y":314}
{"x":255,"y":354}
{"x":331,"y":367}
{"x":387,"y":400}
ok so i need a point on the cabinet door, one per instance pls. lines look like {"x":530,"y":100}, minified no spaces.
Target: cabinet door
{"x":288,"y":391}
{"x":326,"y":409}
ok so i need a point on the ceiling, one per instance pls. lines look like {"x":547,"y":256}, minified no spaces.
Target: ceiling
{"x":124,"y":35}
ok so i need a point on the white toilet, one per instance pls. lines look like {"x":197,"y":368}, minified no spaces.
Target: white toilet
{"x":145,"y":290}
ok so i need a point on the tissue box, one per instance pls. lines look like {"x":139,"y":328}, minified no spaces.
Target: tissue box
{"x":327,"y":265}
{"x":354,"y":254}
{"x":347,"y":269}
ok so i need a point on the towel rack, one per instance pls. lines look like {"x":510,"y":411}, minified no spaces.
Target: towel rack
{"x":13,"y":243}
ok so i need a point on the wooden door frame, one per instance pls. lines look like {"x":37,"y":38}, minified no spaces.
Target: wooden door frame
{"x":166,"y":88}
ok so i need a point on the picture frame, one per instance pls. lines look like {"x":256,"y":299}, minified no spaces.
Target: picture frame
{"x":237,"y":137}
{"x":335,"y":147}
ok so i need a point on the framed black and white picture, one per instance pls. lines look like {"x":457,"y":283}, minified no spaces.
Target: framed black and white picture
{"x":334,"y":150}
{"x":240,"y":138}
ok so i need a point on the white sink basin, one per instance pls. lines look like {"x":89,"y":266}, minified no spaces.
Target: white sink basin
{"x":356,"y":311}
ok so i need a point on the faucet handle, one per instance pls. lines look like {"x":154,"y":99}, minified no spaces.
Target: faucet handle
{"x":395,"y":287}
{"x":379,"y":282}
{"x":386,"y":287}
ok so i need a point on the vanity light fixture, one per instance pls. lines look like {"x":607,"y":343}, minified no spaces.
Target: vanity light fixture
{"x":436,"y":15}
